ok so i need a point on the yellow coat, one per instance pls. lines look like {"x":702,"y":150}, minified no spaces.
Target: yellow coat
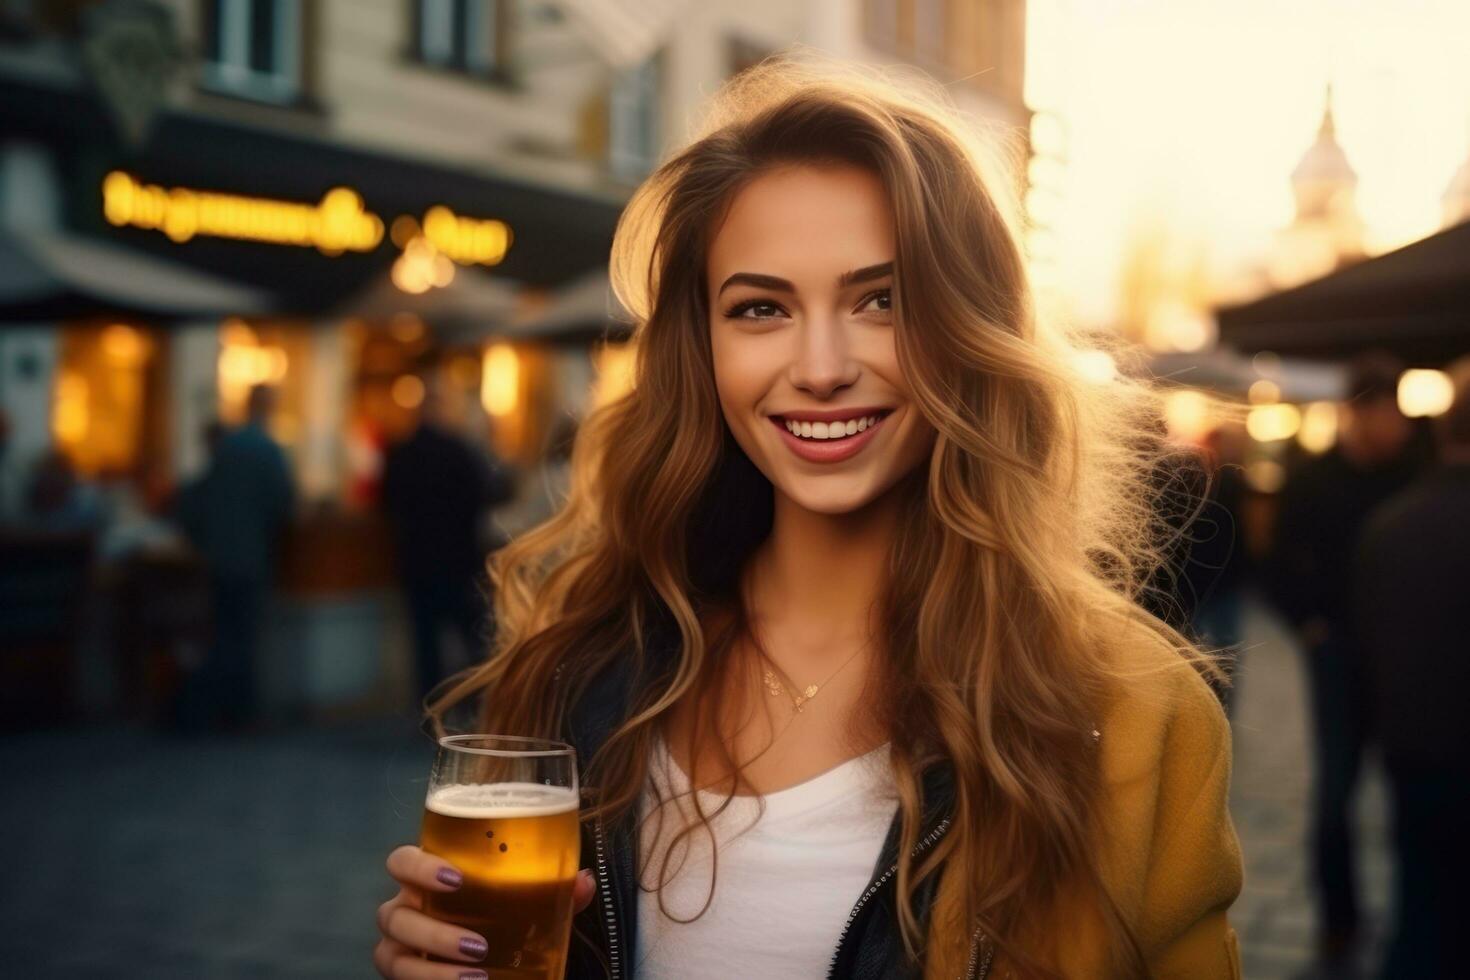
{"x":1166,"y":847}
{"x":1169,"y":855}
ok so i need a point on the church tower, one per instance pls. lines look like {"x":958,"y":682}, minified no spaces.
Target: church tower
{"x":1327,"y":231}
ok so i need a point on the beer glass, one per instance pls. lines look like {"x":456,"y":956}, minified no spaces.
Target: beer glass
{"x":503,"y":810}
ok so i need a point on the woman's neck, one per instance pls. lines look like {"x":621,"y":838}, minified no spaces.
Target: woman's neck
{"x":817,"y":578}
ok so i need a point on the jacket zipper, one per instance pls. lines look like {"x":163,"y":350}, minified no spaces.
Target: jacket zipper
{"x":977,"y":962}
{"x":604,"y":893}
{"x":878,"y":883}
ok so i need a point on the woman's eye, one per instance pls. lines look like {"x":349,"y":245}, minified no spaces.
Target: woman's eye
{"x":761,"y":311}
{"x":883,"y":298}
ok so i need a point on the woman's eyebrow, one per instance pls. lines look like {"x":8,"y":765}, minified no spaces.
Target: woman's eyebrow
{"x":760,"y":280}
{"x":763,"y":281}
{"x":866,"y":274}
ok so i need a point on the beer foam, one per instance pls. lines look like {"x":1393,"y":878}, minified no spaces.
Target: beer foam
{"x":501,"y":801}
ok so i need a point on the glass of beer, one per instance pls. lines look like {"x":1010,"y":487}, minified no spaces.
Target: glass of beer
{"x":503,"y":810}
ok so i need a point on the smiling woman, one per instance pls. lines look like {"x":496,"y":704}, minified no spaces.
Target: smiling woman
{"x":841,"y":613}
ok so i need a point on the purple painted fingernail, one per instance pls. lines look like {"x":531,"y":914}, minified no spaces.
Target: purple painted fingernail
{"x":474,"y":975}
{"x":473,"y":947}
{"x":450,"y":877}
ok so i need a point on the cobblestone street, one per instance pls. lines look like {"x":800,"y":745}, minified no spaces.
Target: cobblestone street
{"x":140,"y":857}
{"x":232,"y":858}
{"x":1270,"y":799}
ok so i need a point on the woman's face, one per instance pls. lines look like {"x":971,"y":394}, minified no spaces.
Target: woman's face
{"x":799,"y":277}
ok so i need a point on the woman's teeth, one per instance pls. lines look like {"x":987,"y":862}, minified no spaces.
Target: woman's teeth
{"x":829,"y":430}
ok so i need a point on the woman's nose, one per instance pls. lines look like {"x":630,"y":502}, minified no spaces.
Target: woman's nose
{"x":822,"y":362}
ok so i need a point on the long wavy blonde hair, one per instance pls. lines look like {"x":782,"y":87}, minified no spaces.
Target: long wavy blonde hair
{"x":1027,"y":539}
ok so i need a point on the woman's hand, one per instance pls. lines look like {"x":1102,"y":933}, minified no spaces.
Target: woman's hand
{"x":408,"y":932}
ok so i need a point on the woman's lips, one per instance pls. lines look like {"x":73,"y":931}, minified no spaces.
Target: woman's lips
{"x":826,"y":450}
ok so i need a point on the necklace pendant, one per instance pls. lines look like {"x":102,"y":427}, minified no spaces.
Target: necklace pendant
{"x":798,"y":702}
{"x":811,"y":692}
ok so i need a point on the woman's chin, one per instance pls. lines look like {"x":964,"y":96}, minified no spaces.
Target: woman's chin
{"x":830,"y":495}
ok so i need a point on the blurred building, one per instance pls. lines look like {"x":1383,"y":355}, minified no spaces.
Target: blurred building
{"x":977,"y":48}
{"x":350,"y":159}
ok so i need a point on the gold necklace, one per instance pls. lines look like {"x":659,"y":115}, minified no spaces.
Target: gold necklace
{"x":776,"y":688}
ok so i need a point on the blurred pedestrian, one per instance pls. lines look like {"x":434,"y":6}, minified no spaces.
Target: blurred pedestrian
{"x":235,"y":515}
{"x":10,"y":477}
{"x":1412,"y":579}
{"x":437,"y":489}
{"x":189,"y":497}
{"x":58,"y":500}
{"x":1218,"y":565}
{"x":1324,"y":506}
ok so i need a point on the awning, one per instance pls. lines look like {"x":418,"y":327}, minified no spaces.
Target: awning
{"x":46,"y":276}
{"x":1414,"y":302}
{"x":581,"y":312}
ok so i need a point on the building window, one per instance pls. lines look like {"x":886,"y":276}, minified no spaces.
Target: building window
{"x":252,"y":48}
{"x":633,"y":111}
{"x":463,"y":35}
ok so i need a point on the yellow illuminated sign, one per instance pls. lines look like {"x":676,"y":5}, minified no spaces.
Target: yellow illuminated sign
{"x":466,"y":240}
{"x":334,"y":225}
{"x":337,"y":223}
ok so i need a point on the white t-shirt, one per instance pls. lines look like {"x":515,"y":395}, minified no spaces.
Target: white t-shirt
{"x":785,"y":885}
